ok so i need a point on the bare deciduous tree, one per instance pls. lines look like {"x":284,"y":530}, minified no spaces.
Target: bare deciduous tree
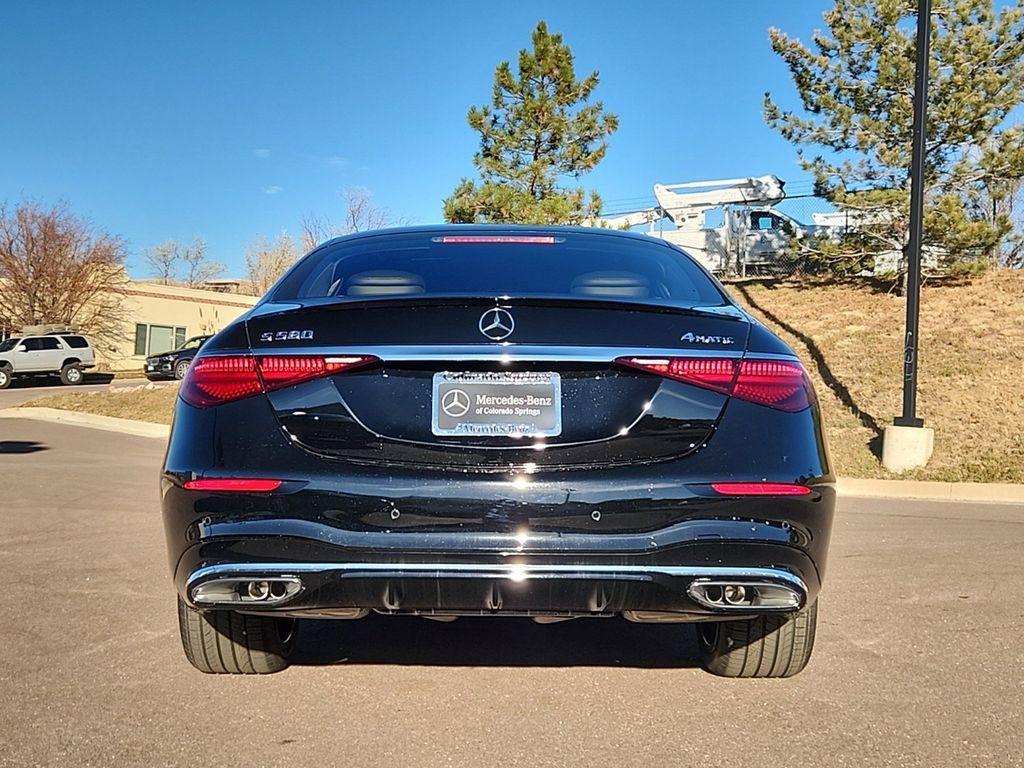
{"x":266,"y":261}
{"x":163,"y":261}
{"x":172,"y":262}
{"x":361,"y":214}
{"x":57,"y":268}
{"x":198,"y":269}
{"x":315,"y":230}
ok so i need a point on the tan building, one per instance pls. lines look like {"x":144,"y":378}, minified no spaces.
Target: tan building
{"x":160,"y":318}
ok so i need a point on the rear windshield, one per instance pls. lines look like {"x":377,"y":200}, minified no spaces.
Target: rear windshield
{"x":467,"y":263}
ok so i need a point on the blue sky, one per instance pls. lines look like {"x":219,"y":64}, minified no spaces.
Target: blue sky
{"x":231,"y":120}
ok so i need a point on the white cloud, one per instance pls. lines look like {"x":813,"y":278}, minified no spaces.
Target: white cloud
{"x":273,"y":189}
{"x":261,"y":152}
{"x":337,"y":161}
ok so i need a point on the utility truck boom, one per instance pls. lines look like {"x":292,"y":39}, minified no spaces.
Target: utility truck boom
{"x":751,"y":234}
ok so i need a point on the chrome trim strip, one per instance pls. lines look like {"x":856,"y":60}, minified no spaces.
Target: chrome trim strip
{"x":508,"y":571}
{"x":508,"y":543}
{"x":501,"y":352}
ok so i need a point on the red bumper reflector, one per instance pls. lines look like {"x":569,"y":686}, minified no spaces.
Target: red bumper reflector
{"x":233,"y":484}
{"x":525,"y":239}
{"x":761,"y":489}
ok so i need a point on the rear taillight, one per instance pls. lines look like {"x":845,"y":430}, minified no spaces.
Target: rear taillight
{"x":221,"y":379}
{"x":780,"y":384}
{"x":716,"y":374}
{"x":775,"y":383}
{"x":213,"y":380}
{"x":283,"y":371}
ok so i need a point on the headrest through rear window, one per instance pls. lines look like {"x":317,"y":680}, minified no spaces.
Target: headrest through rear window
{"x":620,"y":285}
{"x":384,"y":282}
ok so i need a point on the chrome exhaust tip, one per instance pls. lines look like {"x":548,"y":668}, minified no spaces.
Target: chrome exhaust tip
{"x":258,"y":590}
{"x":745,"y":595}
{"x":735,"y":594}
{"x":237,"y":592}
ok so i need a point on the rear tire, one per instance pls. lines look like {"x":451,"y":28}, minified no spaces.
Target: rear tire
{"x":772,"y":645}
{"x":229,"y":643}
{"x":71,"y":375}
{"x":6,"y":377}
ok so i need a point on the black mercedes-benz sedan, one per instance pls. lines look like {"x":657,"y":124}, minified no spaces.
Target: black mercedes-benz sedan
{"x":553,"y":423}
{"x":174,"y":364}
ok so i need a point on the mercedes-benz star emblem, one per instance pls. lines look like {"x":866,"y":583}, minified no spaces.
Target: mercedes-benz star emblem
{"x":455,"y":403}
{"x":497,"y":324}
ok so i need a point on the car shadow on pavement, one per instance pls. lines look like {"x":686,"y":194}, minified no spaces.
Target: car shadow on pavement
{"x":41,"y":382}
{"x":495,"y":642}
{"x":21,"y":446}
{"x":35,"y":382}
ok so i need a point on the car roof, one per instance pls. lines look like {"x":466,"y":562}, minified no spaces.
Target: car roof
{"x":508,"y":229}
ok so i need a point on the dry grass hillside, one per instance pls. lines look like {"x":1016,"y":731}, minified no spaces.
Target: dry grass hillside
{"x":971,"y":377}
{"x":141,"y":403}
{"x":850,"y":336}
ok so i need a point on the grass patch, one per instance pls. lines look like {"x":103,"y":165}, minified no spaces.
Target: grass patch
{"x":142,"y":403}
{"x":850,"y":337}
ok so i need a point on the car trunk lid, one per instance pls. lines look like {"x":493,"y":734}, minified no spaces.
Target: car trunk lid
{"x":562,"y":350}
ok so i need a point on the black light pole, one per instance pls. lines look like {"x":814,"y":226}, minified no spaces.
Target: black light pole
{"x":913,"y":251}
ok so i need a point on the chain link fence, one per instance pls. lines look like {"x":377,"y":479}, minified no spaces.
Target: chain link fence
{"x":1011,"y":251}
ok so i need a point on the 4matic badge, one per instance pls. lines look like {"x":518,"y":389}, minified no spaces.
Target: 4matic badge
{"x":696,"y":338}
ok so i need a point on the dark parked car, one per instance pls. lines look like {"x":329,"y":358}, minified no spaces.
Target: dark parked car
{"x":173,"y":364}
{"x":551,"y":423}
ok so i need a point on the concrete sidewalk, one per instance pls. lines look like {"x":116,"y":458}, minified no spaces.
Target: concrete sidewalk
{"x":1003,"y":493}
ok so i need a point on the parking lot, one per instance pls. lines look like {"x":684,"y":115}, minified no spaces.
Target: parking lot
{"x":23,"y":390}
{"x":919,"y":659}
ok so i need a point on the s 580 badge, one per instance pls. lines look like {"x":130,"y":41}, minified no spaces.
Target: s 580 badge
{"x":286,"y":335}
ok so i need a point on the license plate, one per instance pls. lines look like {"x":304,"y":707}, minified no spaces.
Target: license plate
{"x":497,"y":404}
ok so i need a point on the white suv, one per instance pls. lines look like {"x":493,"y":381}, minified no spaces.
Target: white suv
{"x":66,"y":355}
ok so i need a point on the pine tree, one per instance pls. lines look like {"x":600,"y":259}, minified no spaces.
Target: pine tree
{"x":856,"y":87}
{"x":538,"y":128}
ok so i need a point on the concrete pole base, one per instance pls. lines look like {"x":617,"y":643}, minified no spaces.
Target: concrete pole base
{"x":906,"y":448}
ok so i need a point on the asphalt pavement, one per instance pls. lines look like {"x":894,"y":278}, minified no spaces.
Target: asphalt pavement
{"x":919,"y":658}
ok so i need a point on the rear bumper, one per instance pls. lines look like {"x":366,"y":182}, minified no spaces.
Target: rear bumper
{"x":524,"y":588}
{"x":395,"y":539}
{"x":508,"y":573}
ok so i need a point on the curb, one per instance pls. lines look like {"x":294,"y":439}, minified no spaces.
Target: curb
{"x":1005,"y":493}
{"x":76,"y":419}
